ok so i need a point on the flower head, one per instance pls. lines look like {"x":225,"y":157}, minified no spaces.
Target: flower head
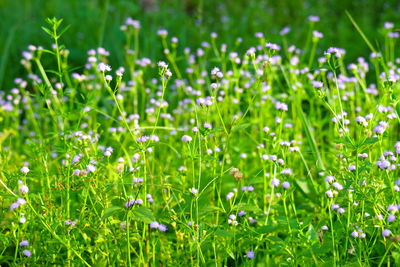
{"x":286,"y":185}
{"x":186,"y":138}
{"x":24,"y":170}
{"x":386,"y":232}
{"x":193,"y":190}
{"x":250,"y":254}
{"x":102,"y":67}
{"x":24,"y":243}
{"x":27,"y":253}
{"x":275,"y":182}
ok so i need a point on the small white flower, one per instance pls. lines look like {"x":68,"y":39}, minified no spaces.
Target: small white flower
{"x":24,"y":170}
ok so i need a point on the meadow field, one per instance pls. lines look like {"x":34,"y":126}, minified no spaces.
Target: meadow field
{"x":199,"y":133}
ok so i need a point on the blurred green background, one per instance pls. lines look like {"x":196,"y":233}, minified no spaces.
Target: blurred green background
{"x":96,"y":23}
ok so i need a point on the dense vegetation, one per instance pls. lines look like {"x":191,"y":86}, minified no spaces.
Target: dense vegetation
{"x":174,"y":142}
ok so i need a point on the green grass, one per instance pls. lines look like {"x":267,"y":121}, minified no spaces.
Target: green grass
{"x":209,"y":157}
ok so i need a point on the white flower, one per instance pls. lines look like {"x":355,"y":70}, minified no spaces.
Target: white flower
{"x":103,"y":67}
{"x":24,"y":170}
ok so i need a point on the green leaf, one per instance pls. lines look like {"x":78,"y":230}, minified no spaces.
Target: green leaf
{"x":54,"y":72}
{"x":110,"y":211}
{"x":49,"y":51}
{"x":64,"y":30}
{"x":371,"y":140}
{"x":209,"y":209}
{"x":47,"y":31}
{"x":266,"y":229}
{"x":223,"y":233}
{"x":396,"y":257}
{"x":143,"y":214}
{"x":230,"y":253}
{"x":312,"y":235}
{"x":247,"y":207}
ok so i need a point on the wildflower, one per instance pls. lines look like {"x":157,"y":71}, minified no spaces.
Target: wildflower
{"x":388,"y":25}
{"x":102,"y":67}
{"x":286,"y":185}
{"x":383,"y":164}
{"x":273,"y":46}
{"x":386,"y":232}
{"x":284,"y":31}
{"x":275,"y":182}
{"x":130,"y":203}
{"x":24,"y":243}
{"x":76,"y":158}
{"x":207,"y":125}
{"x":120,"y":71}
{"x":230,"y":195}
{"x":154,"y":225}
{"x":162,"y":227}
{"x":90,"y":168}
{"x":329,"y":193}
{"x":259,"y":35}
{"x":216,"y":72}
{"x":252,"y":220}
{"x":313,"y":18}
{"x":335,"y":206}
{"x":24,"y":189}
{"x":22,"y":220}
{"x":69,"y":222}
{"x":287,"y":171}
{"x":317,"y":84}
{"x":25,"y":170}
{"x":325,"y":228}
{"x":352,"y":167}
{"x":363,"y":155}
{"x":162,"y":65}
{"x":337,"y":186}
{"x":341,"y":210}
{"x":193,"y":191}
{"x":317,"y":34}
{"x":241,"y":213}
{"x":186,"y":138}
{"x":250,"y":254}
{"x":236,"y":173}
{"x":27,"y":253}
{"x":354,"y":234}
{"x":281,"y":106}
{"x":329,"y":178}
{"x":391,"y":218}
{"x":21,"y":201}
{"x":168,"y":73}
{"x":162,"y":33}
{"x":379,"y":129}
{"x":392,"y":208}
